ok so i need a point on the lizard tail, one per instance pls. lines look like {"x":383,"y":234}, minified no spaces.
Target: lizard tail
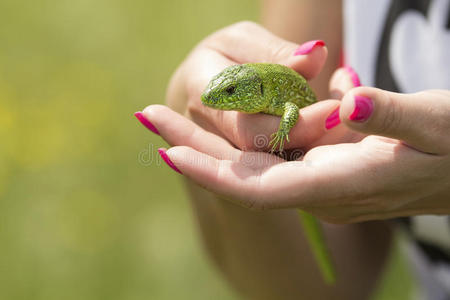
{"x":316,"y":239}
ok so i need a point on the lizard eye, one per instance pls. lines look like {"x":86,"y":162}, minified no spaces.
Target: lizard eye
{"x":230,"y":90}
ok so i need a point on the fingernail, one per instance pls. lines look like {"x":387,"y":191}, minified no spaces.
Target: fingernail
{"x":333,"y":119}
{"x":140,"y":116}
{"x":308,"y":47}
{"x":167,"y":160}
{"x":353,"y":76}
{"x":363,"y":109}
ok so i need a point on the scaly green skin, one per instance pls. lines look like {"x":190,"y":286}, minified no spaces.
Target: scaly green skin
{"x":259,"y":87}
{"x":276,"y":90}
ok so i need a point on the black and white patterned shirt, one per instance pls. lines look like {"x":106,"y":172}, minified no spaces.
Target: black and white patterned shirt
{"x":404,"y":46}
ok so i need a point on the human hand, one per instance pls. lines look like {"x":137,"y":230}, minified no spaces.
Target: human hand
{"x":242,"y":43}
{"x":366,"y":178}
{"x":401,"y":168}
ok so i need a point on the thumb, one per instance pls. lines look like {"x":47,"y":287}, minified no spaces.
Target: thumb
{"x":421,"y":120}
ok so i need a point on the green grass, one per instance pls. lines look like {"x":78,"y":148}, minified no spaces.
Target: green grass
{"x":80,"y":216}
{"x":87,"y":209}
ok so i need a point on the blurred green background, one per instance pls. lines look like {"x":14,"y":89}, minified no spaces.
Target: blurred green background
{"x":87,"y":209}
{"x":80,"y":216}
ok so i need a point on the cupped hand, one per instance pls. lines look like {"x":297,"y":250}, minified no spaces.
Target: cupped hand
{"x":401,"y":168}
{"x":389,"y":157}
{"x":242,"y":43}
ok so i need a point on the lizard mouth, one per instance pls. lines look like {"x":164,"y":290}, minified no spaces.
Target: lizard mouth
{"x":218,"y":105}
{"x":206,"y":100}
{"x":210,"y":101}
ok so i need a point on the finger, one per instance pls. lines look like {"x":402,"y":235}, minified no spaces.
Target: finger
{"x":298,"y":184}
{"x":342,"y":80}
{"x":201,"y":66}
{"x":237,"y":181}
{"x":253,"y":131}
{"x":421,"y":120}
{"x":325,"y":178}
{"x":234,"y":45}
{"x":248,"y":42}
{"x":178,"y":130}
{"x":310,"y":130}
{"x":245,"y":42}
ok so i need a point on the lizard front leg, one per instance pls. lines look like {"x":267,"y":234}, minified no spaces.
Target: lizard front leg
{"x":288,"y":120}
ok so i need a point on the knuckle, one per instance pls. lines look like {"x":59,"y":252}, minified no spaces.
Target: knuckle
{"x":278,"y":51}
{"x":236,"y":30}
{"x":245,"y":25}
{"x":440,"y":121}
{"x":390,"y":118}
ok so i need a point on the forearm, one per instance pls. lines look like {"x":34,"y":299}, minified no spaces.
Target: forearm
{"x":303,"y":20}
{"x":265,"y":255}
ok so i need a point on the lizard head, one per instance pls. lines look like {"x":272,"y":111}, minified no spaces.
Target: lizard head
{"x":238,"y":88}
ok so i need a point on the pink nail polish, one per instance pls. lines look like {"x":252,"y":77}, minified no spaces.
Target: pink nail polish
{"x":140,"y":116}
{"x":353,"y":76}
{"x":167,"y":160}
{"x":333,"y":119}
{"x":307,"y":47}
{"x":363,"y":109}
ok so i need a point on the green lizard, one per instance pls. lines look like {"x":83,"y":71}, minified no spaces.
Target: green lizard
{"x":259,"y":87}
{"x":276,"y":90}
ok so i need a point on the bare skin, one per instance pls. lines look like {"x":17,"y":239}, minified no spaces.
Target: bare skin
{"x":263,"y":254}
{"x":297,"y":21}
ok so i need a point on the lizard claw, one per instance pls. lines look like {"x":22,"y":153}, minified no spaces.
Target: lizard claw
{"x":277,"y":141}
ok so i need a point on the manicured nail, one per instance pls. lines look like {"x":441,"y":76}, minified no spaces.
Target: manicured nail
{"x":353,"y":76}
{"x":140,"y":116}
{"x":333,"y":119}
{"x":167,"y":160}
{"x":363,"y":109}
{"x":308,"y":47}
